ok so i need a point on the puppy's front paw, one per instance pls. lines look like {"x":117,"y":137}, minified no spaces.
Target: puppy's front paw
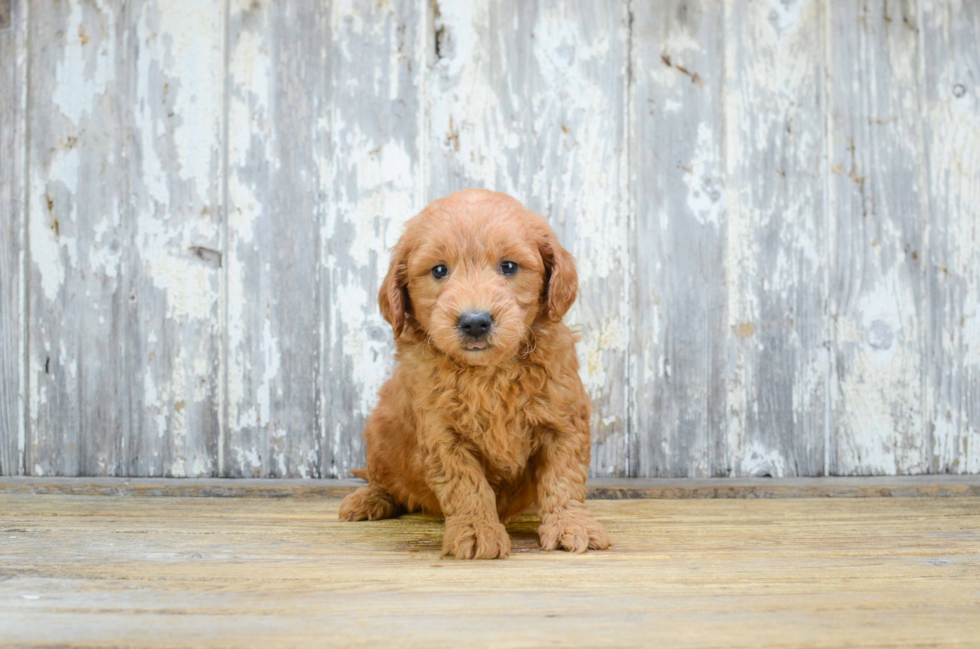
{"x":573,"y":529}
{"x":468,"y":538}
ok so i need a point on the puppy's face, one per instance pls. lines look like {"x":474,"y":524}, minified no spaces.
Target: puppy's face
{"x":473,"y":272}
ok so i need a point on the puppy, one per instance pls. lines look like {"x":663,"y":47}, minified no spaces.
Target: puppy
{"x":485,"y":414}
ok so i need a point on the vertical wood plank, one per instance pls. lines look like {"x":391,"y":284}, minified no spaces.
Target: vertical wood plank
{"x":374,"y":180}
{"x":530,"y":99}
{"x":375,"y":176}
{"x":950,"y":32}
{"x":125,"y":169}
{"x":77,"y":205}
{"x":177,"y":48}
{"x":278,"y":182}
{"x":777,"y":239}
{"x":679,"y":343}
{"x":878,"y":193}
{"x":13,"y":126}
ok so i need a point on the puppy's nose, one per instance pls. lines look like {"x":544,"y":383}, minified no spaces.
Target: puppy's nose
{"x":475,"y":325}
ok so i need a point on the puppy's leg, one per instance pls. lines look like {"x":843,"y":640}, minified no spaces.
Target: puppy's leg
{"x":563,"y":463}
{"x":473,"y":530}
{"x":389,"y":443}
{"x":369,"y":504}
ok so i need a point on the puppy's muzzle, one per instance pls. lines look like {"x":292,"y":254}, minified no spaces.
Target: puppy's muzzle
{"x":475,"y":326}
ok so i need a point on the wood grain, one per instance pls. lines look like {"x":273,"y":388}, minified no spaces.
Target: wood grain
{"x":175,"y":184}
{"x":878,"y":195}
{"x":79,"y":240}
{"x":950,"y":105}
{"x":679,"y":347}
{"x":376,"y":183}
{"x":13,"y":127}
{"x":278,"y":160}
{"x":125,"y":171}
{"x":154,"y":572}
{"x":777,"y":238}
{"x":551,"y":132}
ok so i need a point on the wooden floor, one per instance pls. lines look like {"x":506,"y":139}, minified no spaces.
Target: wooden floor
{"x":267,"y":572}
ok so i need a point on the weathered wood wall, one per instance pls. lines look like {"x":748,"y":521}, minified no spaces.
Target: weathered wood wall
{"x":775,"y":206}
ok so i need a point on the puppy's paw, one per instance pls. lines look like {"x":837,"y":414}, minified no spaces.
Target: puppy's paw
{"x":368,"y":504}
{"x":573,"y":529}
{"x":466,"y":538}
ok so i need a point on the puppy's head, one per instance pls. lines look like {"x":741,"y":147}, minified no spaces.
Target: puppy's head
{"x":473,"y":272}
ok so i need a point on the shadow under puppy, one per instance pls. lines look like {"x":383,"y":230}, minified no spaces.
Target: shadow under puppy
{"x":485,"y":414}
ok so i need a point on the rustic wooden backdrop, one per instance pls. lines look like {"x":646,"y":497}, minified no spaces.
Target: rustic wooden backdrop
{"x":775,"y":206}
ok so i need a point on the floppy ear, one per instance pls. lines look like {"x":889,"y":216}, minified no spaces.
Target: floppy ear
{"x":561,"y":278}
{"x":393,"y":296}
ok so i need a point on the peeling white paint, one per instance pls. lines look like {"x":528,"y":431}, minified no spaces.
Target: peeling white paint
{"x":952,"y":135}
{"x":73,"y":99}
{"x":758,"y":460}
{"x":190,"y":288}
{"x":705,"y":192}
{"x":187,"y":29}
{"x":597,"y":345}
{"x":270,"y":371}
{"x":372,"y":359}
{"x":249,"y":460}
{"x":551,"y":128}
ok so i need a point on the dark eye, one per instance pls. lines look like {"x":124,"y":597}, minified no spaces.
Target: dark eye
{"x":508,"y":268}
{"x":440,"y":271}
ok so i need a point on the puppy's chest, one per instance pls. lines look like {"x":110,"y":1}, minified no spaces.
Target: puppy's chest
{"x":498,"y":417}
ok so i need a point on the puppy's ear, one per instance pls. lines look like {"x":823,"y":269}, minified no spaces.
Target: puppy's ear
{"x":561,"y":278}
{"x":393,"y":296}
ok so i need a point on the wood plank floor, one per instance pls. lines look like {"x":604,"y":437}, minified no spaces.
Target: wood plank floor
{"x":261,"y":572}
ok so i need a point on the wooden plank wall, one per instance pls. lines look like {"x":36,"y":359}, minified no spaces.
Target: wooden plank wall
{"x":13,"y":102}
{"x":775,"y":207}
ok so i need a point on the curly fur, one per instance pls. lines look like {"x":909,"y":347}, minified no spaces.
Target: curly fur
{"x":480,"y":436}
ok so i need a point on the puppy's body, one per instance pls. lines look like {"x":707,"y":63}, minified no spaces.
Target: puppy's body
{"x":478,"y":429}
{"x":504,"y":414}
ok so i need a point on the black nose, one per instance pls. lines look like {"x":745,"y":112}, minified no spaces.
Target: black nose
{"x":475,"y":325}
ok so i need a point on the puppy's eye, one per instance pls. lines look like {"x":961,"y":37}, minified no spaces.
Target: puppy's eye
{"x":508,"y":268}
{"x":440,"y":271}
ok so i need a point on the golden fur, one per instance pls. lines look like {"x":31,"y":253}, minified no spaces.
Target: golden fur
{"x":481,"y":436}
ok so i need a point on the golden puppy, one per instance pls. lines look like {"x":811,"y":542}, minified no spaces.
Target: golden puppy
{"x":485,"y":413}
